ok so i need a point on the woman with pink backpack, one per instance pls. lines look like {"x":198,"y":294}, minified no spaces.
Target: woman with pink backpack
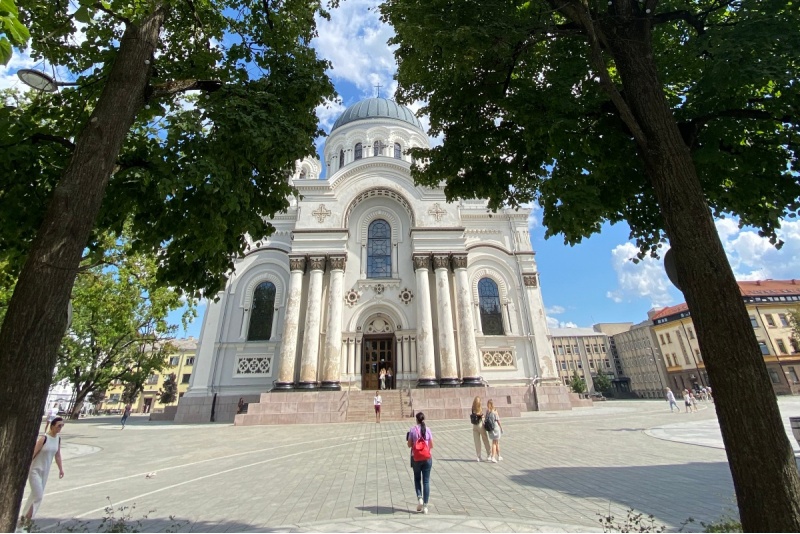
{"x":420,"y":440}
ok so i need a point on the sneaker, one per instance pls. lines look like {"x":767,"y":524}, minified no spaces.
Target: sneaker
{"x":493,"y":460}
{"x":479,"y":458}
{"x":499,"y":458}
{"x":419,"y":506}
{"x":425,"y":510}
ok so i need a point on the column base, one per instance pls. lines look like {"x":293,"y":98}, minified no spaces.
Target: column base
{"x":449,"y":383}
{"x":427,"y":383}
{"x":472,"y":381}
{"x":283,"y":386}
{"x":306,"y":385}
{"x":332,"y":385}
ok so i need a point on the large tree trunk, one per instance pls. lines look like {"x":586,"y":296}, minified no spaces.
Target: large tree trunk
{"x":759,"y":453}
{"x":36,"y":317}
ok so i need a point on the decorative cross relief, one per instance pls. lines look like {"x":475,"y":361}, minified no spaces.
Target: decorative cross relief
{"x":437,"y":212}
{"x":321,"y":213}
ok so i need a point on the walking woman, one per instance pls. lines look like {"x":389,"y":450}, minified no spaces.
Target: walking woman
{"x":48,"y":446}
{"x":494,"y":429}
{"x":420,"y":439}
{"x":478,"y":432}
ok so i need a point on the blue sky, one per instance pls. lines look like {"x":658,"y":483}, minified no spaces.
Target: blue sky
{"x":582,"y":285}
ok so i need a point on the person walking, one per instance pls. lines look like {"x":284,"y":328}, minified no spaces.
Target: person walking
{"x":687,"y":400}
{"x":478,"y":432}
{"x":494,"y":430}
{"x":420,"y":440}
{"x":48,"y":446}
{"x":52,"y":413}
{"x":125,"y":414}
{"x":671,"y":400}
{"x":376,"y":402}
{"x":382,"y":378}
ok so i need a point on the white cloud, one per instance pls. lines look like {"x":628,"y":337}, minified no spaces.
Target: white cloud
{"x":8,"y":73}
{"x":552,"y":322}
{"x":328,"y":112}
{"x":555,"y":310}
{"x":752,"y":257}
{"x":647,"y":279}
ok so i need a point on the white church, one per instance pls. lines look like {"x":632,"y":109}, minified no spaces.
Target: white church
{"x":367,"y":272}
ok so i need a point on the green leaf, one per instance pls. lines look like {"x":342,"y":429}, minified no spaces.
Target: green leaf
{"x":82,"y":14}
{"x":5,"y":51}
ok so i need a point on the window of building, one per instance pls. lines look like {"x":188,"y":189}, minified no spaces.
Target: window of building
{"x":569,"y":349}
{"x":774,"y":376}
{"x":792,"y":375}
{"x":783,"y":319}
{"x":669,"y":339}
{"x":697,"y":353}
{"x":185,"y":378}
{"x":377,"y":146}
{"x":753,"y":321}
{"x":359,"y":151}
{"x":341,"y":159}
{"x":564,"y":365}
{"x":190,"y":360}
{"x":263,"y":308}
{"x":152,"y":379}
{"x":763,"y":346}
{"x":114,"y":398}
{"x":602,"y":347}
{"x":795,"y":345}
{"x":303,"y":174}
{"x":662,"y":338}
{"x":491,"y":314}
{"x":781,"y":346}
{"x":398,"y":153}
{"x":686,"y":359}
{"x":571,"y":364}
{"x":608,"y":363}
{"x":691,"y":332}
{"x":575,"y":349}
{"x":580,"y":365}
{"x":175,"y":360}
{"x":379,"y":249}
{"x":770,"y":320}
{"x":591,"y":364}
{"x":594,"y":347}
{"x":561,"y":350}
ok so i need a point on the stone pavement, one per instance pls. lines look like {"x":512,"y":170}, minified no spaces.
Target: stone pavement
{"x":560,"y":470}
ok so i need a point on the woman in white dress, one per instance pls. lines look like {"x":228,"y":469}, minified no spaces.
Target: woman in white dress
{"x":48,"y":446}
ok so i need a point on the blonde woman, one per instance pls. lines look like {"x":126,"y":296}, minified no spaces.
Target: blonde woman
{"x":494,"y":429}
{"x":478,"y":432}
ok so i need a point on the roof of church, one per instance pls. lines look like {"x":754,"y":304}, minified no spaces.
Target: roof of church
{"x":373,"y":108}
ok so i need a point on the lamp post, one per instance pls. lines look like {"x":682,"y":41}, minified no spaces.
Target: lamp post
{"x":41,"y":81}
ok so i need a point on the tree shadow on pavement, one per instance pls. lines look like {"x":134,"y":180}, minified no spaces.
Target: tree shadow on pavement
{"x":141,"y":524}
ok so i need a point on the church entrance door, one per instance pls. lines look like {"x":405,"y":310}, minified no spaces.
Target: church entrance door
{"x":378,"y":353}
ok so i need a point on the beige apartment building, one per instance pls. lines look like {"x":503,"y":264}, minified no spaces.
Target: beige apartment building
{"x":181,"y":362}
{"x":641,"y":358}
{"x":582,"y":350}
{"x":768,"y":303}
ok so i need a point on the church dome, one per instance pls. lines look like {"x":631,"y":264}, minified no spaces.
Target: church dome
{"x":377,"y":108}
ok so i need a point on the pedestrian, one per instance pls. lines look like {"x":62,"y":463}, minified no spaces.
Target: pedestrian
{"x":52,"y":413}
{"x":671,"y":400}
{"x":708,"y":392}
{"x":478,"y":432}
{"x":377,"y":401}
{"x":389,"y":378}
{"x":420,"y":440}
{"x":48,"y":446}
{"x":694,"y":401}
{"x":240,"y":405}
{"x":125,"y":414}
{"x":491,"y":422}
{"x":687,"y":400}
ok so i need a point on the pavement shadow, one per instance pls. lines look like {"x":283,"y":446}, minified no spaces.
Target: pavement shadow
{"x":706,"y":489}
{"x":140,"y":524}
{"x":383,"y":510}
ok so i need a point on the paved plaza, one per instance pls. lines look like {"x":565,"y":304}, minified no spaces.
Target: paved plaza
{"x":559,"y":471}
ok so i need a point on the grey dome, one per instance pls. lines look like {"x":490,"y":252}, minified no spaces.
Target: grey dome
{"x":374,"y":108}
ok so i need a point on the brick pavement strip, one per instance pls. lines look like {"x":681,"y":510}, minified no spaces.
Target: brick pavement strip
{"x":560,"y":471}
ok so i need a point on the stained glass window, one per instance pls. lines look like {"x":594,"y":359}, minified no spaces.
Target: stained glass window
{"x":261,"y":313}
{"x":379,"y":249}
{"x":397,"y":152}
{"x":341,"y":159}
{"x":491,"y":314}
{"x":359,"y":150}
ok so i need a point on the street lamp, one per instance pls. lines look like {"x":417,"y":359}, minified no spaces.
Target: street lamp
{"x":41,"y":81}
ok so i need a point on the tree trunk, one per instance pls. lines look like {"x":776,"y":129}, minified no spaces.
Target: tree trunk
{"x":36,"y":317}
{"x":759,"y":453}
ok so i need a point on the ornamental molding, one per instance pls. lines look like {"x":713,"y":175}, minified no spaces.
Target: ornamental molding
{"x":498,"y":278}
{"x":381,"y":213}
{"x":378,"y":285}
{"x":437,"y":212}
{"x":253,"y":366}
{"x":351,"y":297}
{"x":266,"y":276}
{"x":316,"y":263}
{"x":378,"y":192}
{"x":498,"y":359}
{"x":530,"y":279}
{"x":421,"y":261}
{"x":441,"y":261}
{"x":297,"y":263}
{"x":459,"y":261}
{"x":406,"y":296}
{"x":337,"y":263}
{"x":321,"y":213}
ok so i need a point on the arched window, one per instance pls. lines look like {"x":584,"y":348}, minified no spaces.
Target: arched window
{"x":303,"y":174}
{"x":359,"y":149}
{"x":379,"y":249}
{"x":491,"y":314}
{"x":376,"y":147}
{"x":398,"y":154}
{"x":261,"y":312}
{"x":341,"y":159}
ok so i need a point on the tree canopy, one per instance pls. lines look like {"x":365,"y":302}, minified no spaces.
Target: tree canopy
{"x":12,"y":31}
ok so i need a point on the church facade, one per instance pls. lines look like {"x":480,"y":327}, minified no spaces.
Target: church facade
{"x":368,"y":272}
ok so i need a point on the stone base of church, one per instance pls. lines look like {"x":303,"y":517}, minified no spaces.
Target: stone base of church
{"x":553,"y":397}
{"x":199,"y":409}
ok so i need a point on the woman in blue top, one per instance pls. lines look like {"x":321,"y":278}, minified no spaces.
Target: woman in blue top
{"x":422,"y":468}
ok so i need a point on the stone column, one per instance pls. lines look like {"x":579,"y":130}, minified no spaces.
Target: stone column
{"x":351,"y":357}
{"x":447,"y":340}
{"x":331,"y":367}
{"x":290,"y":324}
{"x":466,"y":332}
{"x":544,"y":351}
{"x":407,"y":357}
{"x":425,"y":363}
{"x":310,"y":356}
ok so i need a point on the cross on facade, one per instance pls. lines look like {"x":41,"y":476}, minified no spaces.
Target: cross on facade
{"x":321,"y":213}
{"x":378,"y":88}
{"x":437,"y":212}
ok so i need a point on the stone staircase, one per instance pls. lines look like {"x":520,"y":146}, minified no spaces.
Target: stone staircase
{"x":394,"y":406}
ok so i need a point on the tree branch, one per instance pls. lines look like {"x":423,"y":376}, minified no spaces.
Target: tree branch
{"x":116,"y":16}
{"x":181,"y":86}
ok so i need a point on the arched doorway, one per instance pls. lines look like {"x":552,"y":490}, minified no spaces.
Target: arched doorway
{"x":378,"y":351}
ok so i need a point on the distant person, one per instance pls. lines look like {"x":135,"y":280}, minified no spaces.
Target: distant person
{"x":389,"y":379}
{"x":47,"y":447}
{"x":52,"y":413}
{"x":491,"y":422}
{"x":376,"y":402}
{"x":687,"y":400}
{"x":125,"y":414}
{"x":671,"y":400}
{"x":382,"y":378}
{"x":240,"y":406}
{"x":478,"y":432}
{"x":694,"y":401}
{"x":420,"y":440}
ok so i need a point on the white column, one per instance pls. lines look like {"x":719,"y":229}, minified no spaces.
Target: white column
{"x":331,"y":366}
{"x":447,"y":340}
{"x":310,"y":357}
{"x":414,"y":355}
{"x":466,"y":333}
{"x":478,"y":324}
{"x":427,"y":368}
{"x":544,"y":351}
{"x":351,"y":357}
{"x":290,"y":324}
{"x":407,"y":357}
